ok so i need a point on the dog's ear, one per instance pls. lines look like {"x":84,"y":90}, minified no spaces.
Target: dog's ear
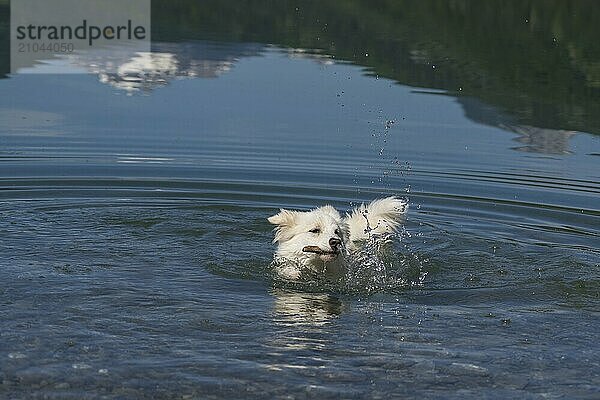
{"x":284,"y":220}
{"x":331,"y":212}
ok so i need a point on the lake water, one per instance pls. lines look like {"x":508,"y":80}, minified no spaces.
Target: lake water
{"x":135,"y":250}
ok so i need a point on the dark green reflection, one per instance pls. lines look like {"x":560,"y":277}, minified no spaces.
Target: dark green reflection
{"x":537,"y":60}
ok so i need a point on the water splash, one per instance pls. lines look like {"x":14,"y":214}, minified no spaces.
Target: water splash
{"x":379,"y":266}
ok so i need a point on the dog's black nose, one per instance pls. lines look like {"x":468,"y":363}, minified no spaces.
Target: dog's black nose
{"x":335,"y":242}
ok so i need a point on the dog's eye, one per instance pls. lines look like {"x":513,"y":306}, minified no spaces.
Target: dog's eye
{"x":337,"y":232}
{"x":315,"y":230}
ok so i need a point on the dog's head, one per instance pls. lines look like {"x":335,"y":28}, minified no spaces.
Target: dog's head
{"x":310,"y":238}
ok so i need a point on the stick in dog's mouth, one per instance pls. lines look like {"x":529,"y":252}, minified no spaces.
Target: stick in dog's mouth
{"x":317,"y":250}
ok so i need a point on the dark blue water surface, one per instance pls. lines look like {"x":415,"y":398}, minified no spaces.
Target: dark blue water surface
{"x":135,"y":251}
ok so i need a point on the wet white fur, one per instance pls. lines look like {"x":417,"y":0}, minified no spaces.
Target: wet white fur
{"x":292,"y":234}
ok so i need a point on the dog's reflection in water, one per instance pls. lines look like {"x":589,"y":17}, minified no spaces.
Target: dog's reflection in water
{"x":303,"y":323}
{"x":305,"y":309}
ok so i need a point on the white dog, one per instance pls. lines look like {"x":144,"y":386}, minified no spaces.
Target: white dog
{"x":320,"y":240}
